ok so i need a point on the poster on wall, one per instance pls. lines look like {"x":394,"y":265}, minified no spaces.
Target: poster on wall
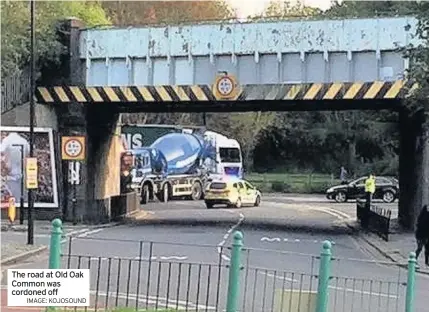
{"x":12,"y":138}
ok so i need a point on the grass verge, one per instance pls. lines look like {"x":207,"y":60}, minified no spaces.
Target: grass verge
{"x":292,"y":183}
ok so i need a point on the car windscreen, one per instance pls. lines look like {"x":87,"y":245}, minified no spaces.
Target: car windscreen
{"x":218,"y":186}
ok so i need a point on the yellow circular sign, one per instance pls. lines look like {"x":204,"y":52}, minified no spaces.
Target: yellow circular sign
{"x":73,"y":148}
{"x":225,"y":87}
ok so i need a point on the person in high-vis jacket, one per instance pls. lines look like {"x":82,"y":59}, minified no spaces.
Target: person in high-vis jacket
{"x":370,"y":186}
{"x":369,"y":191}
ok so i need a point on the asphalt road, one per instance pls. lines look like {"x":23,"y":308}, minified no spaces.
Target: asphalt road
{"x":186,"y":267}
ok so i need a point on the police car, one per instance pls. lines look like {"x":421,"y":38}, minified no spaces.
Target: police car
{"x":232,"y":192}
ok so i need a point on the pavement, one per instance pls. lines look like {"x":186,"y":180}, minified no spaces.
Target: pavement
{"x":14,"y":246}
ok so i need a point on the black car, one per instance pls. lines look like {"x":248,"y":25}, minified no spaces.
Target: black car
{"x":386,"y":188}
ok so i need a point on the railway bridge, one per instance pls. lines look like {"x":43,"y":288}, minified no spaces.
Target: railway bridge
{"x":274,"y":66}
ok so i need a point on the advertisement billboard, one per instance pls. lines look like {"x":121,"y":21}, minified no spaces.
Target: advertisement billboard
{"x":12,"y":138}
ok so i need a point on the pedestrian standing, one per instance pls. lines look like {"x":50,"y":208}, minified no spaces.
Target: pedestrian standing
{"x":422,"y":233}
{"x":369,"y":191}
{"x":343,"y":175}
{"x":370,"y":187}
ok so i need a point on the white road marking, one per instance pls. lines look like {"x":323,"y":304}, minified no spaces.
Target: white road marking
{"x":343,"y":214}
{"x":296,"y":240}
{"x":173,"y":257}
{"x":162,"y":302}
{"x":76,"y":232}
{"x":370,"y":293}
{"x":275,"y":239}
{"x":332,"y":212}
{"x":226,"y":236}
{"x":85,"y":234}
{"x":138,"y":258}
{"x":280,"y":277}
{"x":80,"y":234}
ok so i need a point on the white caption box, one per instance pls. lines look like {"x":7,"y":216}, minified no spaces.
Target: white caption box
{"x":44,"y":288}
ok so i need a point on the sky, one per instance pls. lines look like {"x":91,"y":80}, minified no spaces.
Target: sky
{"x":250,"y":7}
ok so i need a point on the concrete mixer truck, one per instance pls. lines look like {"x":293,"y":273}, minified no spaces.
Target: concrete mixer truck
{"x":179,"y":163}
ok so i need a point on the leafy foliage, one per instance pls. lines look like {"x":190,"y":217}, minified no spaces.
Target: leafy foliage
{"x":351,"y":9}
{"x":419,"y":63}
{"x":284,"y":9}
{"x":124,"y":13}
{"x":15,"y":30}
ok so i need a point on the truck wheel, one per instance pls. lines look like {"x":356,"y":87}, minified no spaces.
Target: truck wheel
{"x":145,"y":195}
{"x":165,"y":193}
{"x":197,"y":191}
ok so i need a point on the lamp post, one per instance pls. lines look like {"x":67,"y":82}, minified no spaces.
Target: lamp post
{"x":21,"y":199}
{"x":30,"y":230}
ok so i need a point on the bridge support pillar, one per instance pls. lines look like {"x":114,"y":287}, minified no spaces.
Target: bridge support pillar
{"x":104,"y":150}
{"x":413,"y":167}
{"x":100,"y":173}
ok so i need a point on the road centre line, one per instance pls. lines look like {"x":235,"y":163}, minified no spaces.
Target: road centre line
{"x":226,"y":236}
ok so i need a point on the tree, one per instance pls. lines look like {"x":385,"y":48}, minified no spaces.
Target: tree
{"x":135,"y":13}
{"x":278,"y":10}
{"x":246,"y":128}
{"x":419,"y":61}
{"x":15,"y":23}
{"x":418,"y":106}
{"x":351,"y":9}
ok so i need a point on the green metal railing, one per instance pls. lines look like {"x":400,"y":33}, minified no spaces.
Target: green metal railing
{"x":232,"y":287}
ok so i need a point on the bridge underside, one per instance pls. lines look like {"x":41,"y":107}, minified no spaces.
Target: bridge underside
{"x":93,"y":112}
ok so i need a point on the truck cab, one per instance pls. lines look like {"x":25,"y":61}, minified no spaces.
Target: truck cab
{"x":229,"y":161}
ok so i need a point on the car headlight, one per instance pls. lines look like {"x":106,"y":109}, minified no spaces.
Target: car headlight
{"x":330,"y":190}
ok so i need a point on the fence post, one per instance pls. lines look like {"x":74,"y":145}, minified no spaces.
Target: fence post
{"x":55,"y":245}
{"x":234,"y":273}
{"x":324,"y":276}
{"x":411,"y":280}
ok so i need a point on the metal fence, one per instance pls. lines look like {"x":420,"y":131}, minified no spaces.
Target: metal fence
{"x":237,"y":279}
{"x":15,"y":90}
{"x":144,"y":280}
{"x":375,"y":219}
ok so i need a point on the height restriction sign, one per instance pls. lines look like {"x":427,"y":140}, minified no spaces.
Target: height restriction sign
{"x":73,"y":147}
{"x":225,"y":87}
